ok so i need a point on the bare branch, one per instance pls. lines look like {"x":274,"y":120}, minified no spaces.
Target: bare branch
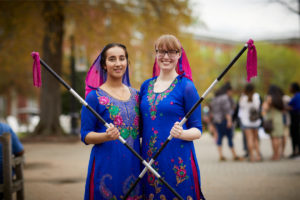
{"x":288,"y":5}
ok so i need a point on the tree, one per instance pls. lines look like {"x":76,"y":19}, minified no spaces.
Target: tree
{"x":291,"y":6}
{"x":53,"y":15}
{"x":134,"y":23}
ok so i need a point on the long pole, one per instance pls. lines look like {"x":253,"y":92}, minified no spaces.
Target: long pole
{"x":186,"y":118}
{"x":121,"y":139}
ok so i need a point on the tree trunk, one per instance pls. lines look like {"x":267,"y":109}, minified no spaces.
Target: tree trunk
{"x":50,"y":105}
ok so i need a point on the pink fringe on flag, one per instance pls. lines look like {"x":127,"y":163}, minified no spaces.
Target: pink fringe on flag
{"x":251,"y":61}
{"x":36,"y":71}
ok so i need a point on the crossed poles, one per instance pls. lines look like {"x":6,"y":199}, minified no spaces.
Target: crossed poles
{"x":121,"y":139}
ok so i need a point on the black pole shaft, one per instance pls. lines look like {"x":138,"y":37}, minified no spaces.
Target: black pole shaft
{"x":105,"y":123}
{"x":232,"y":62}
{"x":187,"y":116}
{"x":49,"y":69}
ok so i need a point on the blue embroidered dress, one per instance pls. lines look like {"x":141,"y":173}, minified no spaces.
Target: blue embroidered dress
{"x":177,"y":163}
{"x":112,"y":167}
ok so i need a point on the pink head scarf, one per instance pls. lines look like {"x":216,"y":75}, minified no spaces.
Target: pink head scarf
{"x":96,"y":75}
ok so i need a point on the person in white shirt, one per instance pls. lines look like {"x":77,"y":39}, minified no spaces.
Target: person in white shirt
{"x":249,"y":114}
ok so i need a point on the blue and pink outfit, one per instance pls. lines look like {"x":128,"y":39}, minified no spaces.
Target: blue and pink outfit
{"x":112,"y":167}
{"x":177,"y":163}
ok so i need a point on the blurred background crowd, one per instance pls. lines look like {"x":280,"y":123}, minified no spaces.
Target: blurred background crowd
{"x":273,"y":115}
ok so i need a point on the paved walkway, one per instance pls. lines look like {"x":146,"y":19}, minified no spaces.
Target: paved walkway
{"x":58,"y":171}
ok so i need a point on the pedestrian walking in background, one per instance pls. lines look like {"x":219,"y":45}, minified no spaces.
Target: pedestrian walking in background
{"x":272,"y":110}
{"x":294,"y":107}
{"x":249,"y":114}
{"x":223,"y":107}
{"x":207,"y":118}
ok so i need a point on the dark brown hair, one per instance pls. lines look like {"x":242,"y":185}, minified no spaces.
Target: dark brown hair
{"x":249,"y":91}
{"x":107,"y":47}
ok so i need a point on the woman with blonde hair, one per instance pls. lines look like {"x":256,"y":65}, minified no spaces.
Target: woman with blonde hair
{"x":165,"y":100}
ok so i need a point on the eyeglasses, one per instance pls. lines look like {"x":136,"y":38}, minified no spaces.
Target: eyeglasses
{"x":162,"y":53}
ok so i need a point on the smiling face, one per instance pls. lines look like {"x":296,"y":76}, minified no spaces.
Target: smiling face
{"x":115,"y":62}
{"x":168,"y":52}
{"x":167,"y":59}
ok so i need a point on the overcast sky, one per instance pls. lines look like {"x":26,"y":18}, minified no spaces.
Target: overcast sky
{"x":244,"y":19}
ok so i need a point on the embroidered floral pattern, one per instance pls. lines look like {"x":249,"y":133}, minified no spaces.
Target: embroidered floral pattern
{"x":134,"y":133}
{"x":125,"y":133}
{"x":154,"y":100}
{"x":136,"y":109}
{"x":151,"y":151}
{"x":118,"y":120}
{"x":180,"y":172}
{"x":104,"y":190}
{"x":119,"y":114}
{"x":136,"y":120}
{"x":151,"y":179}
{"x":137,"y":99}
{"x":113,"y":110}
{"x":103,"y":100}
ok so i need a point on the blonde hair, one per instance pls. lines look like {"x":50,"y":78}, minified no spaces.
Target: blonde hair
{"x":168,"y":42}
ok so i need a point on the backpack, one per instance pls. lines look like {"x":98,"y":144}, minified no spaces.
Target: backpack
{"x":254,"y":114}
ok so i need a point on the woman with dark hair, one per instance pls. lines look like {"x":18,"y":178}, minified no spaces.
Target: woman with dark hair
{"x":249,"y":115}
{"x":294,"y":107}
{"x":273,"y":109}
{"x":112,"y":167}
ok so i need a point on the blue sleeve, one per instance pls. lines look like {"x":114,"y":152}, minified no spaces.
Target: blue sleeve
{"x":88,"y":119}
{"x":293,"y":102}
{"x":190,"y":96}
{"x":17,"y":146}
{"x":144,"y":88}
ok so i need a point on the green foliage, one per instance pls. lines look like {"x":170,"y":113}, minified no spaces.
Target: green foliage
{"x":135,"y":23}
{"x":67,"y":99}
{"x":277,"y":65}
{"x":20,"y":34}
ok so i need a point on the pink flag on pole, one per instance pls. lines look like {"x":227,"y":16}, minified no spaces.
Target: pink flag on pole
{"x":251,"y":60}
{"x":36,"y":70}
